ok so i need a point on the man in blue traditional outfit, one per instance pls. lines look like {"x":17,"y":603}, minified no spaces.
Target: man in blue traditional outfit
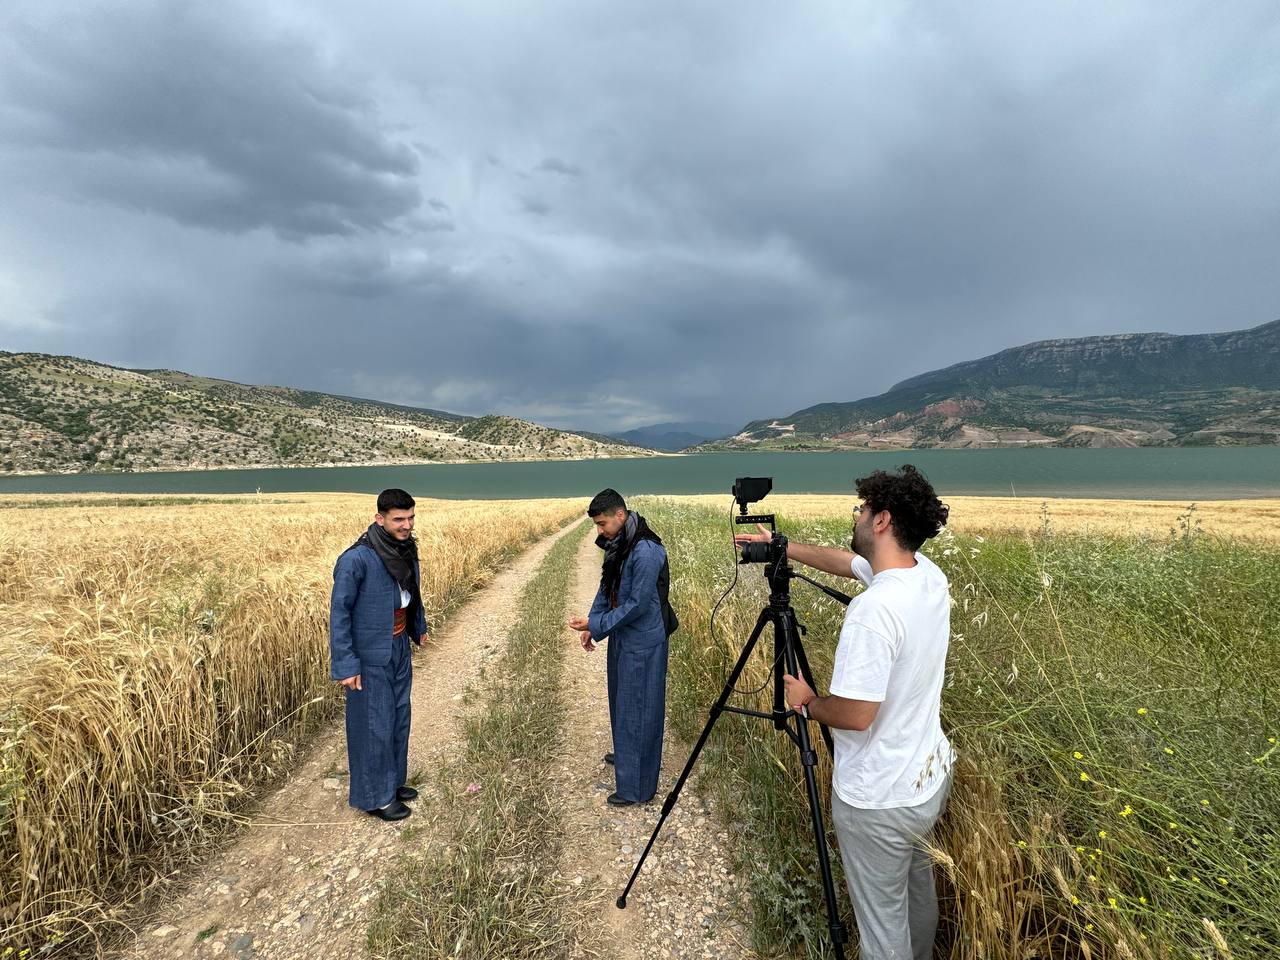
{"x":375,"y":613}
{"x":631,"y":610}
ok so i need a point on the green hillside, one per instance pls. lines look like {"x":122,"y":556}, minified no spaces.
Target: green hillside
{"x":67,"y":414}
{"x":1126,"y":390}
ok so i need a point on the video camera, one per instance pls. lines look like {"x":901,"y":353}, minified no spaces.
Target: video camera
{"x":749,"y":490}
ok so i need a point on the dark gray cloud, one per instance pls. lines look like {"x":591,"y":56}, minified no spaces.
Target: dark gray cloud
{"x":202,"y":113}
{"x":556,"y":165}
{"x":605,"y":216}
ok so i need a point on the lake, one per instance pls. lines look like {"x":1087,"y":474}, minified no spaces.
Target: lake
{"x":1145,"y":473}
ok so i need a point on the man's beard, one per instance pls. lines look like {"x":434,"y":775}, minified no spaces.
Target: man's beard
{"x":862,"y":543}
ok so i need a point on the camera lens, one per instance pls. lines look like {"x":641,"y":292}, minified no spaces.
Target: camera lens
{"x":755,"y":552}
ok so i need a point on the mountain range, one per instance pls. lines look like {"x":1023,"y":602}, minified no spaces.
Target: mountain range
{"x":675,"y":436}
{"x":1125,"y":390}
{"x":68,"y":414}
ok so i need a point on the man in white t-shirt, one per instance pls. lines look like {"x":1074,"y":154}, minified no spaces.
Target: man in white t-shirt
{"x":893,"y":763}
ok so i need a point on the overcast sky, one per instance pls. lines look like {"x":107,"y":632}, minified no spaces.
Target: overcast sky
{"x":606,"y":214}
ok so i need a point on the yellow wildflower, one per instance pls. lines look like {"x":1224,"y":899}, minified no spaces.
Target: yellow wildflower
{"x":1143,"y":901}
{"x":1078,"y":755}
{"x":1126,"y":811}
{"x":1169,"y":751}
{"x":1142,"y":711}
{"x":1223,"y":881}
{"x":1102,"y":834}
{"x":1204,"y":803}
{"x":1075,"y":901}
{"x":1084,"y":778}
{"x":1112,"y":902}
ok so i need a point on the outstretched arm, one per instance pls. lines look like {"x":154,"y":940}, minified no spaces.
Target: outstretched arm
{"x":830,"y":560}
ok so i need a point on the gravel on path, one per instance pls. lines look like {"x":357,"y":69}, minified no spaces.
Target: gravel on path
{"x":687,"y":902}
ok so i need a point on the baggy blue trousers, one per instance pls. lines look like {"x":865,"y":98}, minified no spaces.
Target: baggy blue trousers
{"x":637,"y":677}
{"x":378,"y":729}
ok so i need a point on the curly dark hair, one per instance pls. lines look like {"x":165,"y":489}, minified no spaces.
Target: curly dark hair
{"x":916,"y":512}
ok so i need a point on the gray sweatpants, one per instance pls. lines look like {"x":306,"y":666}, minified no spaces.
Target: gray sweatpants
{"x":890,"y":876}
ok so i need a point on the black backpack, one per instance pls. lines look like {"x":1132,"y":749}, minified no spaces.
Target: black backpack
{"x":669,"y":619}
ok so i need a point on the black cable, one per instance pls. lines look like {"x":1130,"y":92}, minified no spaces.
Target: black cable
{"x":711,"y":630}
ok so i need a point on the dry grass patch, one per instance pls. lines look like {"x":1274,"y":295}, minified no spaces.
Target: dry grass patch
{"x":161,"y":659}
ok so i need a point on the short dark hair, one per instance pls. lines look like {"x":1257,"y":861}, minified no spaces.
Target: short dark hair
{"x":916,"y":513}
{"x":394,"y":499}
{"x":606,"y":501}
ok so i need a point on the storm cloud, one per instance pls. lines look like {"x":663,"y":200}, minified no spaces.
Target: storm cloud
{"x":602,"y":216}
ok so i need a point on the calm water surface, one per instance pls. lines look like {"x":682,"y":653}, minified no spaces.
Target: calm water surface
{"x":1161,"y":474}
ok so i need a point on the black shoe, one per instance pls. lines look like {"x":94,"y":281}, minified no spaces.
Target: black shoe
{"x":608,"y":757}
{"x":395,"y":810}
{"x":615,"y":800}
{"x":406,"y":793}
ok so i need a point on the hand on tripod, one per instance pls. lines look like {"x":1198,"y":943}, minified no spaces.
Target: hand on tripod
{"x":798,"y":694}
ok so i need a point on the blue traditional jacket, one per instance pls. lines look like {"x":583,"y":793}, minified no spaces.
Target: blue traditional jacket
{"x":362,"y":612}
{"x":636,"y":621}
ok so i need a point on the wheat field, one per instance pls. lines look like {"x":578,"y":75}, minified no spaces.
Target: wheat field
{"x":1241,"y":519}
{"x":161,"y":657}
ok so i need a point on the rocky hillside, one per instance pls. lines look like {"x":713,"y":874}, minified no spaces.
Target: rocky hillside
{"x":66,"y":414}
{"x":1129,"y":390}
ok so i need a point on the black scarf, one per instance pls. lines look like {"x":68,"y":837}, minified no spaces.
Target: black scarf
{"x":618,"y":549}
{"x":398,"y":557}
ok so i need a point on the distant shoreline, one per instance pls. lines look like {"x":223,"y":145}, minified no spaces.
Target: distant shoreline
{"x":1177,"y":474}
{"x":328,"y":465}
{"x":905,"y":452}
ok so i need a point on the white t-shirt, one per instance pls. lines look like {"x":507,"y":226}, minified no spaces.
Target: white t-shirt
{"x":893,"y":650}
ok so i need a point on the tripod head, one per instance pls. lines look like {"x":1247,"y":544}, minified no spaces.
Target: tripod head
{"x":773,"y":554}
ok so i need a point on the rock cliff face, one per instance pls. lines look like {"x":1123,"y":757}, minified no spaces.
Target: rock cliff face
{"x":66,"y":414}
{"x":1138,"y":361}
{"x":1125,"y":390}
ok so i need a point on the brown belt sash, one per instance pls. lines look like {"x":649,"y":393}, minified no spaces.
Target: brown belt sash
{"x":398,"y":624}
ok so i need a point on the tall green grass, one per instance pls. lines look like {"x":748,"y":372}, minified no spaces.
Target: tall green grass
{"x":1114,"y":705}
{"x":489,"y":886}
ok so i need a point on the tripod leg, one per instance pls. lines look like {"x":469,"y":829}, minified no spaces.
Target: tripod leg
{"x":786,"y":624}
{"x":807,"y":673}
{"x":669,"y":804}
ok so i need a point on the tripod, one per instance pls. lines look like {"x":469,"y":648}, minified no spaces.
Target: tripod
{"x":789,"y":657}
